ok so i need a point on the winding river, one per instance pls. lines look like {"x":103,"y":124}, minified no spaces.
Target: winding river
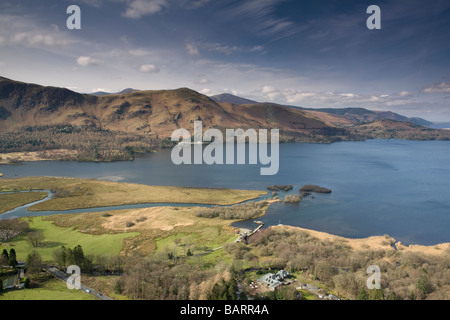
{"x":23,"y":211}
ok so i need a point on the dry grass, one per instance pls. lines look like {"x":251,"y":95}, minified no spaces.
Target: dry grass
{"x":14,"y":200}
{"x":435,"y":250}
{"x":150,"y":224}
{"x":14,"y":157}
{"x":89,"y":193}
{"x":161,"y":218}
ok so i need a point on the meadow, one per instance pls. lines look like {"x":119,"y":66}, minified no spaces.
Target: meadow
{"x":72,"y":193}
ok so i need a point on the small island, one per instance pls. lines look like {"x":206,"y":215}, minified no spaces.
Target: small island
{"x":313,"y":188}
{"x":277,"y":187}
{"x":292,"y":198}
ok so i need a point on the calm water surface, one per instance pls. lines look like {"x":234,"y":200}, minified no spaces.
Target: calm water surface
{"x":400,"y":188}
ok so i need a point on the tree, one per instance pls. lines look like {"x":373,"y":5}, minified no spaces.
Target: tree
{"x":4,"y":259}
{"x":376,"y":294}
{"x":78,"y":256}
{"x":60,"y":256}
{"x":36,"y":238}
{"x":12,"y":258}
{"x":423,"y":283}
{"x":363,"y":294}
{"x":69,"y":256}
{"x":118,"y":287}
{"x":10,"y":228}
{"x":34,"y":262}
{"x":223,"y":290}
{"x":5,"y":255}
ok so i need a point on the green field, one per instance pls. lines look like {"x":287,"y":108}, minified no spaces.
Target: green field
{"x":156,"y":230}
{"x":55,"y":237}
{"x":51,"y":290}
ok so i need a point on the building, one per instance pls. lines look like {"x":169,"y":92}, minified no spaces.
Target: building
{"x":272,"y":281}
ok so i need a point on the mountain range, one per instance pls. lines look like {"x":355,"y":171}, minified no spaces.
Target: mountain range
{"x":344,"y":116}
{"x":103,"y":93}
{"x":159,"y":112}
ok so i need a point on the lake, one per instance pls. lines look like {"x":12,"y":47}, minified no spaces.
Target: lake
{"x":395,"y":187}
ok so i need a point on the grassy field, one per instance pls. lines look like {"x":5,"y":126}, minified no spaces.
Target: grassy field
{"x":74,"y":193}
{"x":104,"y":284}
{"x":14,"y":200}
{"x":55,"y":237}
{"x":164,"y":229}
{"x":51,"y":290}
{"x":145,"y":231}
{"x":155,"y":228}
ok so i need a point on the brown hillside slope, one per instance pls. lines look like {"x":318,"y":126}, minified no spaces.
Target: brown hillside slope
{"x":157,"y":112}
{"x":390,"y":129}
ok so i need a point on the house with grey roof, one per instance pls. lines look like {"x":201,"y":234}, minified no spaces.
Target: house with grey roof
{"x":272,"y":281}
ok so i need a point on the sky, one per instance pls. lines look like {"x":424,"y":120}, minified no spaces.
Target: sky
{"x":308,"y":53}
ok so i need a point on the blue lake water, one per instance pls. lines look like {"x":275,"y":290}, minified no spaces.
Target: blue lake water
{"x":395,"y":187}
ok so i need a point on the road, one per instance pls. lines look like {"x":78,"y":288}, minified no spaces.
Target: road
{"x":64,"y":276}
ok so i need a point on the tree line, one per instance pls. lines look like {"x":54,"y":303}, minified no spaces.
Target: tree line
{"x":244,"y":211}
{"x":91,"y":144}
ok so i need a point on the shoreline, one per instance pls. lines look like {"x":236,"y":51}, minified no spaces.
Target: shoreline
{"x":19,"y":157}
{"x":385,"y":242}
{"x":374,"y":242}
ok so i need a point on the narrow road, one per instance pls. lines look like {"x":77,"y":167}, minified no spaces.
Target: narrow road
{"x":64,"y":276}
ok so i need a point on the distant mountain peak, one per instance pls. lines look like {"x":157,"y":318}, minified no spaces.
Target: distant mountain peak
{"x":128,"y":90}
{"x":229,"y":98}
{"x":124,"y":91}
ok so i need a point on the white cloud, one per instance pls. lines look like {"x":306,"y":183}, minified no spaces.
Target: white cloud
{"x":54,"y":27}
{"x":139,"y":8}
{"x":74,"y":88}
{"x":264,"y":18}
{"x":149,"y":68}
{"x":102,"y":90}
{"x":19,"y":31}
{"x":205,"y":91}
{"x":443,"y":87}
{"x":299,"y":97}
{"x":268,"y":89}
{"x":191,"y":49}
{"x":88,"y":61}
{"x":404,"y":94}
{"x":204,"y":81}
{"x":33,"y":39}
{"x":93,"y":3}
{"x":348,"y":95}
{"x":332,"y":99}
{"x":228,"y":50}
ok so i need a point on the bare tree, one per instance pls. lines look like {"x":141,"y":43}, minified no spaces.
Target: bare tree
{"x":36,"y":238}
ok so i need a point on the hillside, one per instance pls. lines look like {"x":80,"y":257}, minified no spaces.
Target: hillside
{"x":390,"y":129}
{"x":341,"y":117}
{"x":229,"y":98}
{"x":35,"y":118}
{"x":149,"y":112}
{"x":361,"y":115}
